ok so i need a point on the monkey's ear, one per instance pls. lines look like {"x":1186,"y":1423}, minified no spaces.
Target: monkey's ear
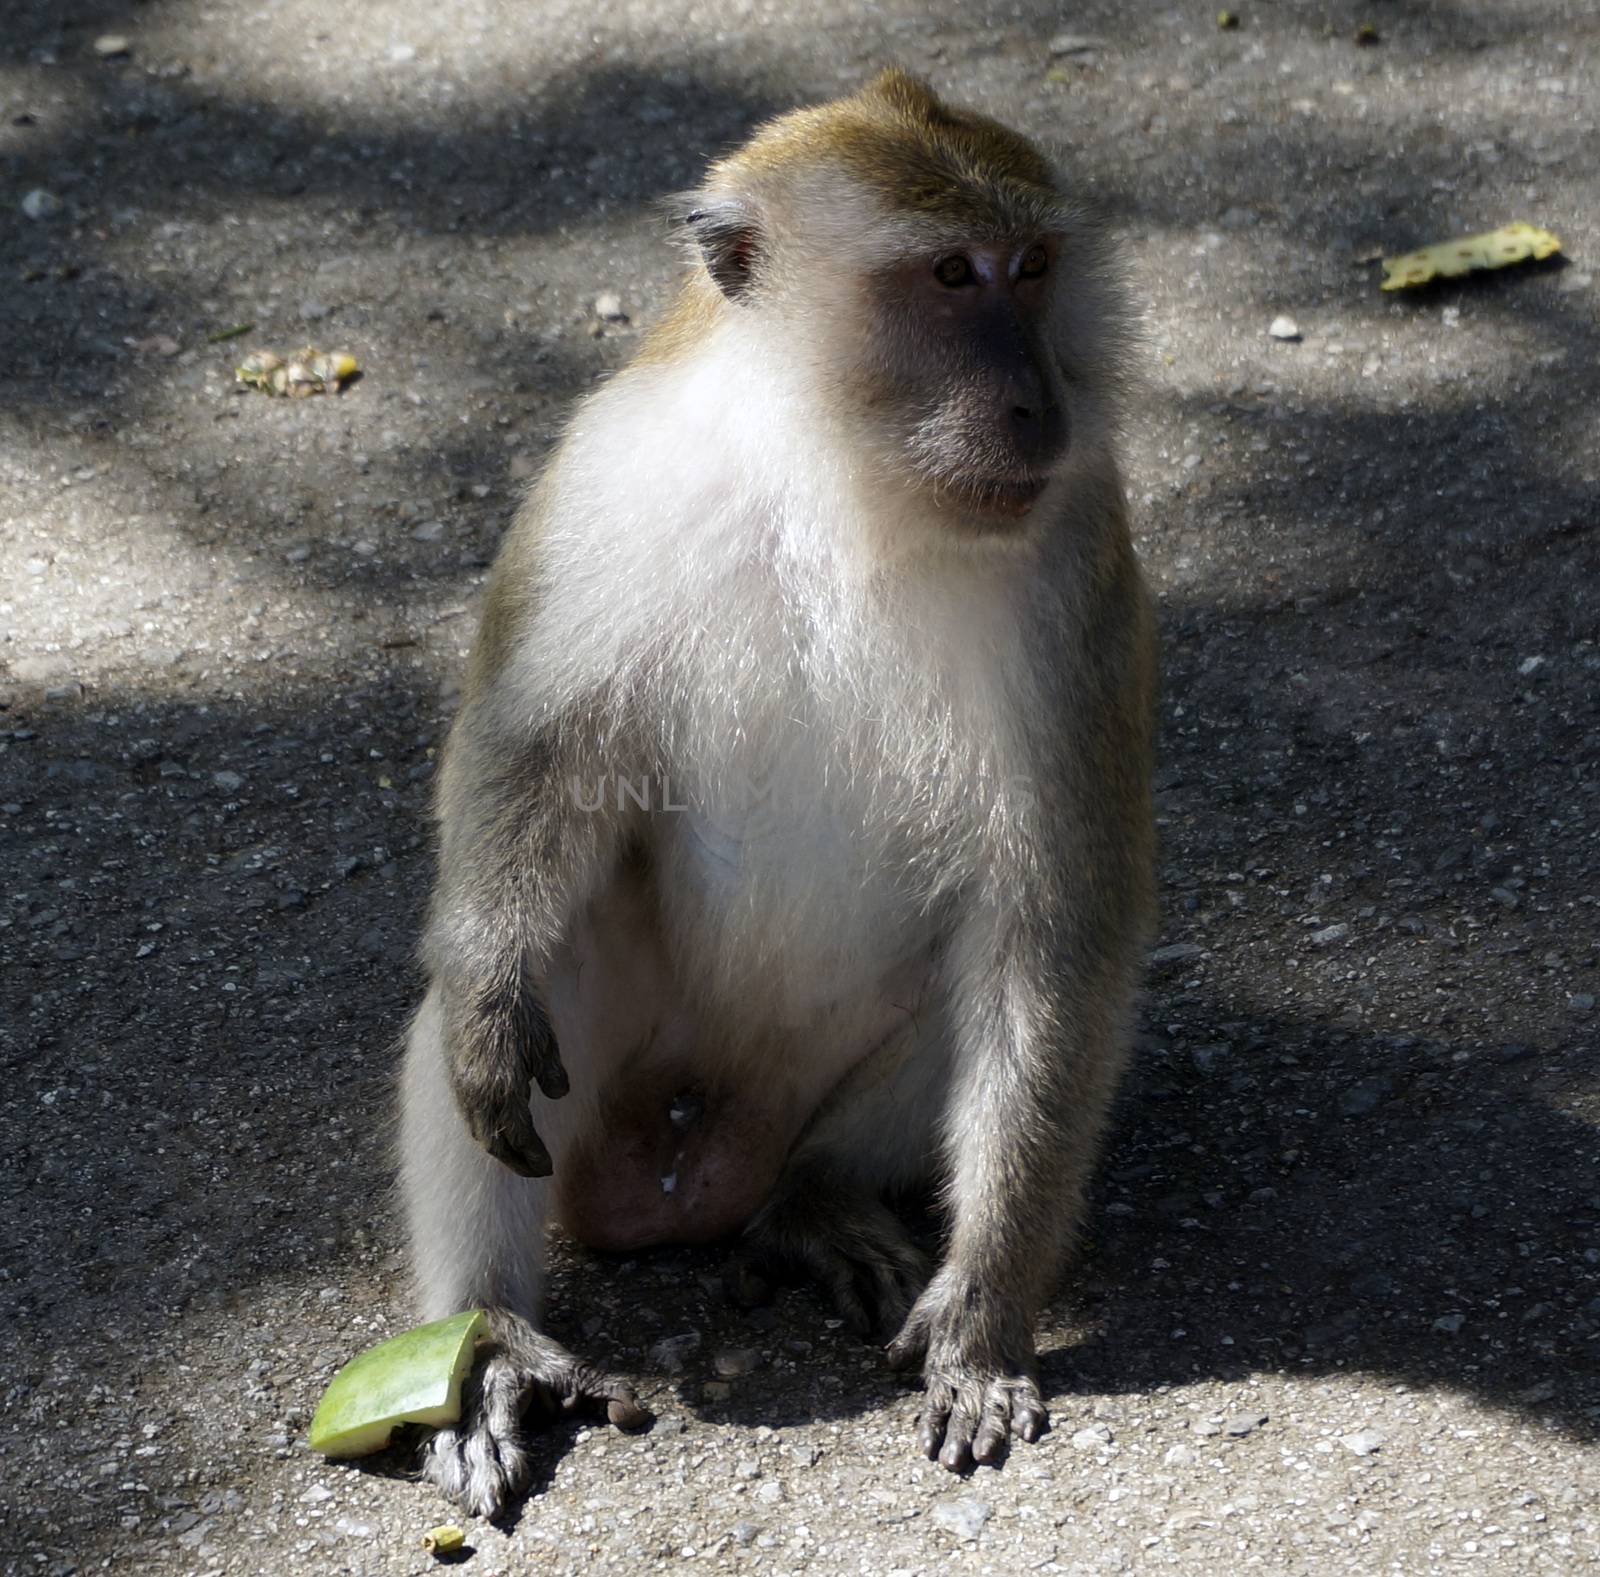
{"x":728,"y":237}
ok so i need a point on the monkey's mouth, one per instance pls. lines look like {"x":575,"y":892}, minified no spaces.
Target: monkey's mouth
{"x":999,"y":495}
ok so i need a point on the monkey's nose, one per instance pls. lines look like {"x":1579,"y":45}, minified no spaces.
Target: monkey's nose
{"x":1038,"y":429}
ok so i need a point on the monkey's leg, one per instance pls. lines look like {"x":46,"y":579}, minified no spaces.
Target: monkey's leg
{"x":477,"y":1240}
{"x":826,"y":1217}
{"x":1039,"y":1047}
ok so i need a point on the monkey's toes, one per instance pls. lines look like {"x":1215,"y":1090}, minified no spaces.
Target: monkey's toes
{"x":747,"y":1279}
{"x":855,"y":1250}
{"x":563,"y":1384}
{"x":971,"y":1421}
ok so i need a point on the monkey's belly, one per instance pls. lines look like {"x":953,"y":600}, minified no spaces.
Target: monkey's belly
{"x":686,"y":1099}
{"x":666,"y":1162}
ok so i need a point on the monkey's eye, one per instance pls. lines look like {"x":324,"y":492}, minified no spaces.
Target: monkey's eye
{"x":953,"y":272}
{"x":1034,"y":262}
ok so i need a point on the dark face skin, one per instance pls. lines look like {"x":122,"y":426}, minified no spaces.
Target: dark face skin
{"x":969,"y":389}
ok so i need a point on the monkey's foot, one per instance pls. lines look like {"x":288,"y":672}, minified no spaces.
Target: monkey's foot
{"x":853,"y":1245}
{"x":978,"y":1392}
{"x":481,"y":1462}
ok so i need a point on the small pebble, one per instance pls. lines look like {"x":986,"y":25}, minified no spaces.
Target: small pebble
{"x":1284,"y":327}
{"x":735,"y":1361}
{"x":1329,"y":934}
{"x":672,"y":1352}
{"x":1362,"y":1098}
{"x":608,"y":308}
{"x":40,"y":204}
{"x":1176,"y":953}
{"x":1242,"y":1424}
{"x":745,"y":1532}
{"x":1450,"y":1324}
{"x":401,"y":54}
{"x":109,"y":45}
{"x":1091,"y":1438}
{"x":228,"y":782}
{"x":1075,"y":44}
{"x":1179,"y":1456}
{"x":1364,"y":1441}
{"x":964,"y":1517}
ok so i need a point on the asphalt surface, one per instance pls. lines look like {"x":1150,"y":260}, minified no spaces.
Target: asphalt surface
{"x":1341,"y":1307}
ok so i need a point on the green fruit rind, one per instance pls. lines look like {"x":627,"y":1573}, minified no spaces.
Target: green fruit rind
{"x":412,"y":1378}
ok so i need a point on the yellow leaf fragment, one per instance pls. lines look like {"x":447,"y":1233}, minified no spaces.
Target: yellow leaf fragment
{"x":1512,"y":243}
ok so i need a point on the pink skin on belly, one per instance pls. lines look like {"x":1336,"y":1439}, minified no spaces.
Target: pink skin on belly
{"x":638,"y":1177}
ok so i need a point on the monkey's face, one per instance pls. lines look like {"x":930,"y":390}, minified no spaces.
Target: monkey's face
{"x":954,"y":379}
{"x":917,"y":277}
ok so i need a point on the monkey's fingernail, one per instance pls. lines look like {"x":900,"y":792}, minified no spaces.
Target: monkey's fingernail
{"x":553,"y":1082}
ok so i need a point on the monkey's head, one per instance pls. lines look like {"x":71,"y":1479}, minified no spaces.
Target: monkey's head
{"x":950,"y":307}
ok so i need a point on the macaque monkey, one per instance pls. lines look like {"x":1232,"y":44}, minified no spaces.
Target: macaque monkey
{"x":796,"y":841}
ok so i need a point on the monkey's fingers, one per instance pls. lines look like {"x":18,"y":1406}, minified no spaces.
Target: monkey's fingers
{"x":1010,"y":1407}
{"x":911,"y":1345}
{"x":550,"y":1074}
{"x":510,"y":1137}
{"x":968,"y":1421}
{"x":935,"y":1417}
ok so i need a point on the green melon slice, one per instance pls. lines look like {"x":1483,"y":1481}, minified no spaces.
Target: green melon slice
{"x":412,"y":1378}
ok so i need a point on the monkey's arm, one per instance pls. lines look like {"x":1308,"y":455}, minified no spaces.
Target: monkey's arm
{"x":519,"y":851}
{"x":1045,"y":967}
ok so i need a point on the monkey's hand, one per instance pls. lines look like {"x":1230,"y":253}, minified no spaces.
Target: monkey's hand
{"x":481,"y":1462}
{"x":979,"y":1370}
{"x":499,"y":1044}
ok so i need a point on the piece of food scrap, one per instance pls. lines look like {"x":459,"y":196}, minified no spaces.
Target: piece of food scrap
{"x":413,"y":1378}
{"x":1512,"y":243}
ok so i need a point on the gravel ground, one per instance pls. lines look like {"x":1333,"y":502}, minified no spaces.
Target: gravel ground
{"x":1341,"y":1308}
